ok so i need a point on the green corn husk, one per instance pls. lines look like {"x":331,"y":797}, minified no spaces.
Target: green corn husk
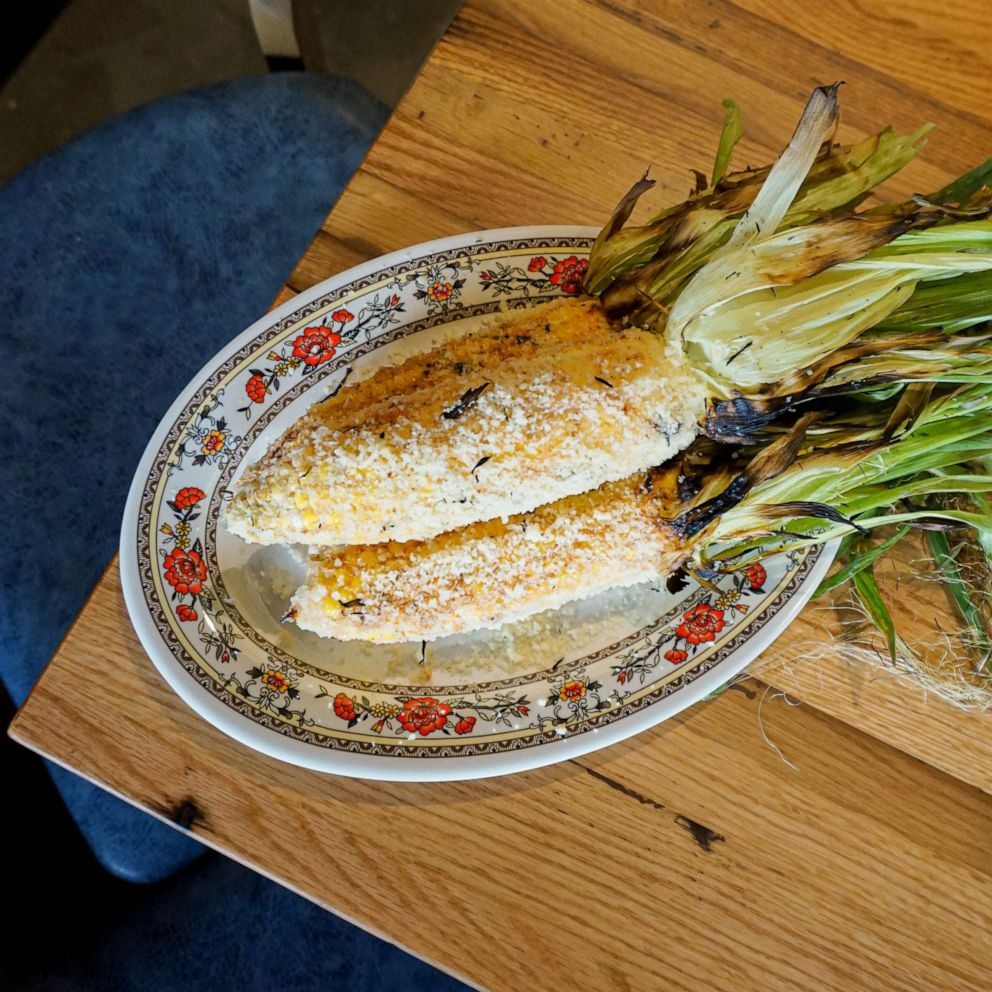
{"x":848,"y":479}
{"x":950,"y":306}
{"x":753,"y":314}
{"x":635,"y":269}
{"x":733,"y":131}
{"x":768,"y":272}
{"x":846,"y":352}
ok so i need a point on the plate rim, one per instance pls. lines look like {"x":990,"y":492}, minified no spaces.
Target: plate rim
{"x":390,"y":768}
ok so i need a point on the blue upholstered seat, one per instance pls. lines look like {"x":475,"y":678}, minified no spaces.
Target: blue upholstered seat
{"x":128,"y":257}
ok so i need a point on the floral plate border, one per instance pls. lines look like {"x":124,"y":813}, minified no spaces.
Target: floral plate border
{"x":284,"y":706}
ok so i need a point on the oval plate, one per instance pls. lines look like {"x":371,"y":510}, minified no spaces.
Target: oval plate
{"x":207,"y":607}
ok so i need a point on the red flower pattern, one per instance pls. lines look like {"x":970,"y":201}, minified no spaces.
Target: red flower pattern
{"x":424,"y":715}
{"x":676,"y":656}
{"x":701,"y":623}
{"x":316,"y":345}
{"x":568,"y":274}
{"x":185,"y":571}
{"x":536,"y":264}
{"x":255,"y":388}
{"x":344,"y":707}
{"x":188,"y":496}
{"x":756,"y":576}
{"x":185,"y":613}
{"x":465,"y":725}
{"x":342,"y":316}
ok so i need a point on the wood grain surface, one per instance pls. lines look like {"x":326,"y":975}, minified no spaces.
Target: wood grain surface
{"x":845,"y":843}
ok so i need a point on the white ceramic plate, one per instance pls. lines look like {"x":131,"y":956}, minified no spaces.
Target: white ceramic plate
{"x":207,"y":607}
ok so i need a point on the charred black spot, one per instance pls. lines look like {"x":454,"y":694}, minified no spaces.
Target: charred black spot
{"x":739,"y":421}
{"x":677,"y":581}
{"x":468,"y":399}
{"x":599,"y":378}
{"x":702,"y":835}
{"x":692,"y":521}
{"x":805,"y":508}
{"x":186,"y":813}
{"x":352,"y":603}
{"x":458,"y":368}
{"x":482,"y":461}
{"x":689,"y":486}
{"x":523,"y":338}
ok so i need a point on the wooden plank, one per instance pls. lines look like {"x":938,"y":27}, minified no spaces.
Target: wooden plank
{"x":889,"y":706}
{"x":947,"y":57}
{"x":863,"y":869}
{"x":810,"y":664}
{"x":354,"y":235}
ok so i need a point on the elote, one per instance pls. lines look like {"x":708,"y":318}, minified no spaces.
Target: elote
{"x":551,"y":403}
{"x":530,"y":464}
{"x":492,"y":572}
{"x":558,"y":400}
{"x":798,"y":490}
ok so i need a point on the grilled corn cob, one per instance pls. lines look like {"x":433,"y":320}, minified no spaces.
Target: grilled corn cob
{"x":492,"y":572}
{"x":551,"y":403}
{"x":795,"y":491}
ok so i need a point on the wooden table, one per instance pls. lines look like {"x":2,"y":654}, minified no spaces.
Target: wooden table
{"x":692,"y":857}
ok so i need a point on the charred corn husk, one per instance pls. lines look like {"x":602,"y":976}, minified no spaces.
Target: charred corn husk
{"x":492,"y":572}
{"x":552,"y":402}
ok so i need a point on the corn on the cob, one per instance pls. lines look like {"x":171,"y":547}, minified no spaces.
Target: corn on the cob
{"x":643,"y":527}
{"x":552,"y":402}
{"x":493,"y":572}
{"x":506,"y":433}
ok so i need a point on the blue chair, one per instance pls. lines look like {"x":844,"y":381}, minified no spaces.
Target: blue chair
{"x":129,"y":256}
